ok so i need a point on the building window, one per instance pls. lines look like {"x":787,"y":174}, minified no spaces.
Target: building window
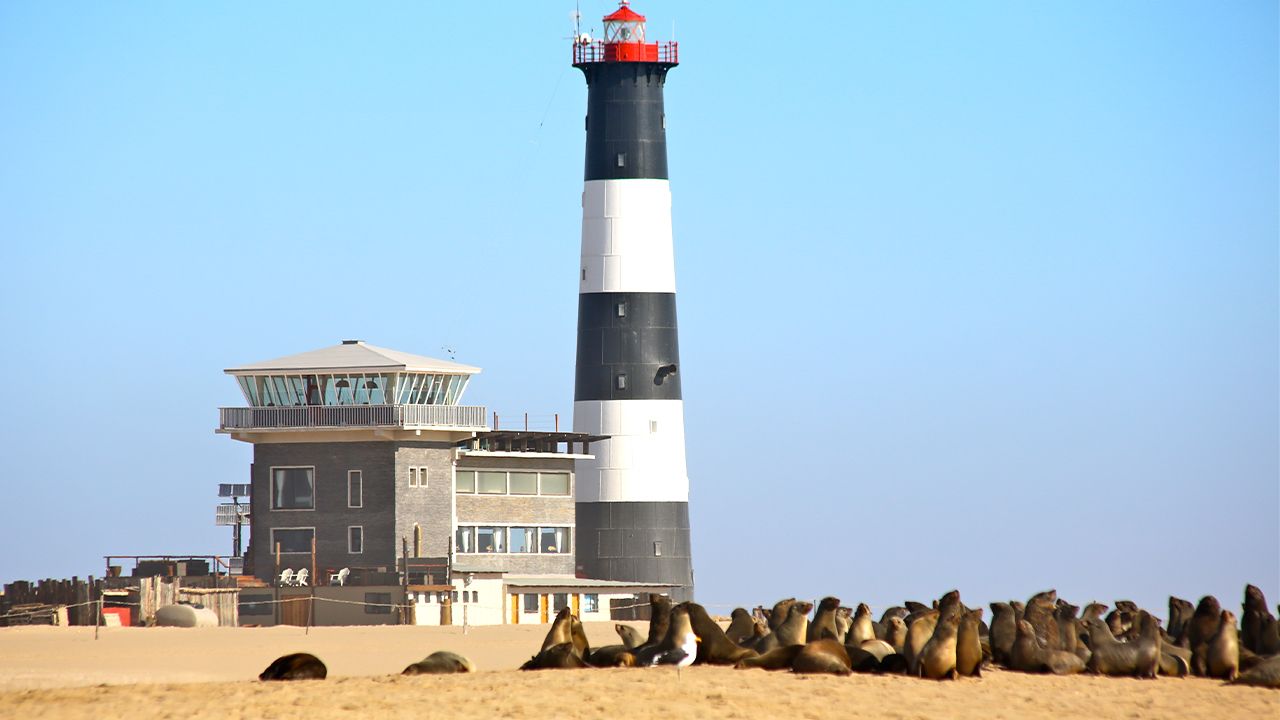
{"x":355,"y":489}
{"x":555,"y":540}
{"x":463,"y":541}
{"x":524,"y":483}
{"x":355,"y":539}
{"x":293,"y":488}
{"x":417,"y":477}
{"x":292,"y":540}
{"x":657,"y":548}
{"x":490,"y":539}
{"x":590,"y":603}
{"x":555,"y":483}
{"x":559,"y":601}
{"x":524,"y":540}
{"x":531,"y":602}
{"x":465,"y":481}
{"x":491,"y":483}
{"x":377,"y":603}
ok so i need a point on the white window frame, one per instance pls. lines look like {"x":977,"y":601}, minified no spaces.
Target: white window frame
{"x":360,"y":499}
{"x":413,"y":477}
{"x":349,"y":529}
{"x":291,"y":552}
{"x":508,"y":471}
{"x":271,"y":489}
{"x":506,"y":546}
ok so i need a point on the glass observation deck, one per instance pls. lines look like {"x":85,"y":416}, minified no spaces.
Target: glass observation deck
{"x":352,"y":385}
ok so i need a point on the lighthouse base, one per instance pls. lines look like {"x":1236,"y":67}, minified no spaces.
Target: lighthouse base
{"x":637,"y":542}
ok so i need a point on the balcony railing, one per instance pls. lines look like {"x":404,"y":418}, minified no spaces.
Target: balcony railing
{"x":465,"y":417}
{"x":596,"y":51}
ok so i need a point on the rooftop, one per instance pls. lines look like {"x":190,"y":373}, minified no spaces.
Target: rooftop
{"x":352,"y":355}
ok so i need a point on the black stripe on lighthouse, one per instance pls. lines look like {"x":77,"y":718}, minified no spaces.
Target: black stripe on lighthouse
{"x":626,"y":123}
{"x":627,"y":347}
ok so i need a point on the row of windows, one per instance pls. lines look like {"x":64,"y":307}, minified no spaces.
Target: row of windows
{"x":589,"y":602}
{"x":294,"y":488}
{"x":298,"y":540}
{"x":504,"y":482}
{"x":516,"y":540}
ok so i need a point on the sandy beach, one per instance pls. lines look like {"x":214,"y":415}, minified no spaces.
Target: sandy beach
{"x":50,"y":672}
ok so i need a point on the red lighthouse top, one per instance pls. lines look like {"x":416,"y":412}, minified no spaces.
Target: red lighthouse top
{"x":623,"y":41}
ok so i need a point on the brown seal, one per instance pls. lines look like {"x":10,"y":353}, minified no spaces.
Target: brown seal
{"x":919,"y":630}
{"x":1223,"y":659}
{"x":778,"y":614}
{"x":1180,"y":612}
{"x":1203,"y":624}
{"x":823,"y":625}
{"x":826,"y":655}
{"x":714,"y":646}
{"x":862,"y":630}
{"x":1039,"y":612}
{"x":441,"y":662}
{"x":1029,"y":656}
{"x":1264,"y":674}
{"x":792,"y":631}
{"x":1255,"y":619}
{"x":896,"y":634}
{"x":1139,"y":657}
{"x":741,"y":625}
{"x":937,"y":659}
{"x":298,"y":666}
{"x":1004,"y":630}
{"x":969,"y":644}
{"x":611,"y":656}
{"x":630,"y":636}
{"x":557,"y":657}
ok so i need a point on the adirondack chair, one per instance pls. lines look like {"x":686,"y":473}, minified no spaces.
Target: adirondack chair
{"x":300,"y":579}
{"x":286,"y":577}
{"x":340,"y":577}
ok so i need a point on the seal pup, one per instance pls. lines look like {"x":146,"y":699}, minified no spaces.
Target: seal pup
{"x":823,"y":624}
{"x":1264,"y":674}
{"x":741,"y":626}
{"x":896,"y":634}
{"x":1223,"y":657}
{"x":1030,"y":657}
{"x":441,"y":662}
{"x":862,"y":630}
{"x":844,"y":620}
{"x":297,"y":666}
{"x":969,"y":644}
{"x":937,"y":659}
{"x":1004,"y":630}
{"x":630,"y":636}
{"x":611,"y":656}
{"x":1254,"y":619}
{"x":714,"y":646}
{"x":1139,"y":657}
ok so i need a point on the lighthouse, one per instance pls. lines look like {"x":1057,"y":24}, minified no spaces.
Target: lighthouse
{"x":632,"y":495}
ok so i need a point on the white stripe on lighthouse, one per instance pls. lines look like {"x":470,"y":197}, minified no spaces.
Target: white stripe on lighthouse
{"x":626,"y":237}
{"x":643,"y":461}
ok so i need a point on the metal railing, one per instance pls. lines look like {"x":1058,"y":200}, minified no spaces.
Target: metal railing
{"x":470,"y":417}
{"x":595,"y":51}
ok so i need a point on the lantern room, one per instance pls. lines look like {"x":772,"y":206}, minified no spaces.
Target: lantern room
{"x":624,"y":41}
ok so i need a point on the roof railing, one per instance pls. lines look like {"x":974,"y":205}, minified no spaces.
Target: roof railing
{"x":295,"y":417}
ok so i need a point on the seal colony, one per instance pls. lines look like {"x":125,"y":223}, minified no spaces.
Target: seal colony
{"x":941,"y":640}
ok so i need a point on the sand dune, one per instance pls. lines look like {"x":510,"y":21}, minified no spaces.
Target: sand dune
{"x":161,"y":672}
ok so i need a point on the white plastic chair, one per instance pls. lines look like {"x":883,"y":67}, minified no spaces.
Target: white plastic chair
{"x":340,"y":577}
{"x":300,"y":579}
{"x":286,"y":577}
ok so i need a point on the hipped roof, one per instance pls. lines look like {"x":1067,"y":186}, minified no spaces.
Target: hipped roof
{"x":353,"y":355}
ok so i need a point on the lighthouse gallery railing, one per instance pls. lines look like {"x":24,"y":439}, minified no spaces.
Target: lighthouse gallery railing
{"x":334,"y":416}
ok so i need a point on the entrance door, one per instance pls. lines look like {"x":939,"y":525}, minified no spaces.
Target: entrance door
{"x":573,"y":599}
{"x":542,"y":608}
{"x":514,"y":599}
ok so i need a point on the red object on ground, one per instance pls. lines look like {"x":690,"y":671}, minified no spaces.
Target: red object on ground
{"x":125,"y":614}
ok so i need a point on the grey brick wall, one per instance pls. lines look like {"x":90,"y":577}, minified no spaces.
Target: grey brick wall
{"x":331,"y":516}
{"x":518,"y":510}
{"x":430,"y":507}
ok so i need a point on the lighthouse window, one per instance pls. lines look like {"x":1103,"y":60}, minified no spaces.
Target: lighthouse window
{"x":622,"y":309}
{"x":622,"y":381}
{"x":622,"y":159}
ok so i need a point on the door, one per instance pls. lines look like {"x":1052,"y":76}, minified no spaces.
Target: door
{"x":514,"y":599}
{"x":542,"y":608}
{"x":573,"y":599}
{"x":295,"y":610}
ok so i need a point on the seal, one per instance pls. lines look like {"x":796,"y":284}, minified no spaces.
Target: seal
{"x":862,"y":630}
{"x":823,"y":656}
{"x":441,"y":662}
{"x":823,"y":625}
{"x":896,"y":634}
{"x":1180,"y":612}
{"x":1030,"y":657}
{"x":919,"y":631}
{"x":680,"y":647}
{"x":630,"y":636}
{"x":557,"y":657}
{"x":1004,"y":630}
{"x":1223,"y":658}
{"x":969,"y":644}
{"x":778,"y":614}
{"x":1039,"y":612}
{"x":659,"y":622}
{"x":1255,"y":619}
{"x":611,"y":656}
{"x":937,"y":659}
{"x":741,"y":626}
{"x":1121,"y":621}
{"x":714,"y":646}
{"x":1203,"y":624}
{"x":1138,"y":658}
{"x":298,"y":666}
{"x":792,"y":631}
{"x":844,"y":620}
{"x":1264,"y":674}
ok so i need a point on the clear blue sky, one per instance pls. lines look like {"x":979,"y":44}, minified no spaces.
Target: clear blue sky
{"x":978,"y":295}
